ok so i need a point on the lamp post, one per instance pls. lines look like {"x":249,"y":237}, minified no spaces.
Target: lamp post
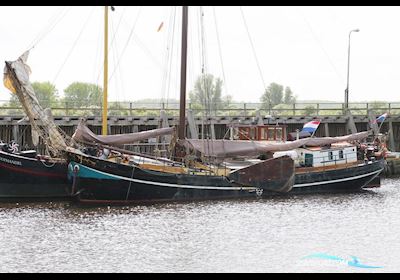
{"x":346,"y":92}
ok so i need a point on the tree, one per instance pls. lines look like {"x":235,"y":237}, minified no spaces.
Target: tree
{"x":79,"y":94}
{"x":46,"y":93}
{"x":274,"y":95}
{"x":207,"y":93}
{"x":289,"y":98}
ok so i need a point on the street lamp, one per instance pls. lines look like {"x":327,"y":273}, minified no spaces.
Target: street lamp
{"x":346,"y":92}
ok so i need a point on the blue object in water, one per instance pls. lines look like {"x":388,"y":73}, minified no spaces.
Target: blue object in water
{"x":353,"y":262}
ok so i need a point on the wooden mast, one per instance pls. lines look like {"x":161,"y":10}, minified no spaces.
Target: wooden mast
{"x":182,"y":107}
{"x":105,"y":81}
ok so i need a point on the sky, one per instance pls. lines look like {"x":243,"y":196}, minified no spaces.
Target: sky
{"x":248,"y":47}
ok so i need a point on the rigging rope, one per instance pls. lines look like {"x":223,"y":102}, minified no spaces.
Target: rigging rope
{"x":166,"y":82}
{"x":114,"y":56}
{"x":220,"y":51}
{"x":114,"y":47}
{"x":49,"y":27}
{"x":73,"y":46}
{"x":207,"y":83}
{"x":321,"y":46}
{"x":127,"y":42}
{"x":252,"y":46}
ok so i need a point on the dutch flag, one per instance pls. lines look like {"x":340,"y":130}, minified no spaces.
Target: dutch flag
{"x":311,"y":126}
{"x":381,"y":118}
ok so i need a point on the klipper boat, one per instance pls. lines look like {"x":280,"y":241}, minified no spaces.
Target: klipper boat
{"x":322,"y":164}
{"x":123,"y":178}
{"x":28,"y":176}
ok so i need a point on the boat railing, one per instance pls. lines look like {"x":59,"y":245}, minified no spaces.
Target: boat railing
{"x":158,"y":149}
{"x":247,"y":109}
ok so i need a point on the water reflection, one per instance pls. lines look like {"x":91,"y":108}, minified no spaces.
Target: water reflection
{"x":253,"y":235}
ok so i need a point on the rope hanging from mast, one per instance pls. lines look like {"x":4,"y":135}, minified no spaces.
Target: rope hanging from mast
{"x":253,"y":48}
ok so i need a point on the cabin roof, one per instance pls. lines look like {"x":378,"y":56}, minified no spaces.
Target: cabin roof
{"x":335,"y":146}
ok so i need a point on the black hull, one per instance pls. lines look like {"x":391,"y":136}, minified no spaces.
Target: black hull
{"x":339,"y":180}
{"x":32,"y":179}
{"x":101,"y":182}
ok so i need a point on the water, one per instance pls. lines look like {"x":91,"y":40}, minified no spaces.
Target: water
{"x":260,"y":235}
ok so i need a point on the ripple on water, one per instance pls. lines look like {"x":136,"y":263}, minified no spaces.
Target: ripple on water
{"x":264,"y":235}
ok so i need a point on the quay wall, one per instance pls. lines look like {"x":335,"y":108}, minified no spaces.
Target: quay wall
{"x":12,"y":128}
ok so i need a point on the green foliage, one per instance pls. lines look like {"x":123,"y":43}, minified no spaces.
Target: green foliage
{"x":207,"y":94}
{"x":282,"y":110}
{"x":276,"y":94}
{"x":79,"y":94}
{"x":310,"y":110}
{"x":289,"y":98}
{"x":273,"y":95}
{"x":46,"y":93}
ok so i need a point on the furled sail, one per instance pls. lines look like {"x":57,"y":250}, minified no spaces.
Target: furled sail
{"x":83,"y":133}
{"x":232,"y":148}
{"x":16,"y":79}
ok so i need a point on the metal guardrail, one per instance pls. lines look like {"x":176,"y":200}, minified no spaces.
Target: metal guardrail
{"x":222,"y":109}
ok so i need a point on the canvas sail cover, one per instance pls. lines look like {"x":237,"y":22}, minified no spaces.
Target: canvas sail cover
{"x":83,"y":133}
{"x":16,"y":79}
{"x":233,"y":148}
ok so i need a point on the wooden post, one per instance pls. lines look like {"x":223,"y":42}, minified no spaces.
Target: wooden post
{"x":372,"y":122}
{"x":15,"y":133}
{"x":350,"y":125}
{"x":326,"y":126}
{"x":192,"y":125}
{"x":260,"y":118}
{"x":164,"y":123}
{"x":212,"y":128}
{"x":66,"y":109}
{"x":392,"y":145}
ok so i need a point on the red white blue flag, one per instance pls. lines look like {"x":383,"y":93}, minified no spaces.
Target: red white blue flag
{"x":311,"y":126}
{"x":381,"y":118}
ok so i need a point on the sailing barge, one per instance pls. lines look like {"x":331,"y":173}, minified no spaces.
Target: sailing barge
{"x":25,"y":175}
{"x":121,"y":178}
{"x":327,"y":164}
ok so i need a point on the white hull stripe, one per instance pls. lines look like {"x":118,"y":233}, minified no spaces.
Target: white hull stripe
{"x":159,"y":184}
{"x":337,"y":180}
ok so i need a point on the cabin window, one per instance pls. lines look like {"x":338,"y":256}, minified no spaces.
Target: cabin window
{"x":278,"y":133}
{"x":264,"y":133}
{"x":252,"y":135}
{"x":330,"y":155}
{"x":271,"y":133}
{"x":341,"y":154}
{"x":308,"y":160}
